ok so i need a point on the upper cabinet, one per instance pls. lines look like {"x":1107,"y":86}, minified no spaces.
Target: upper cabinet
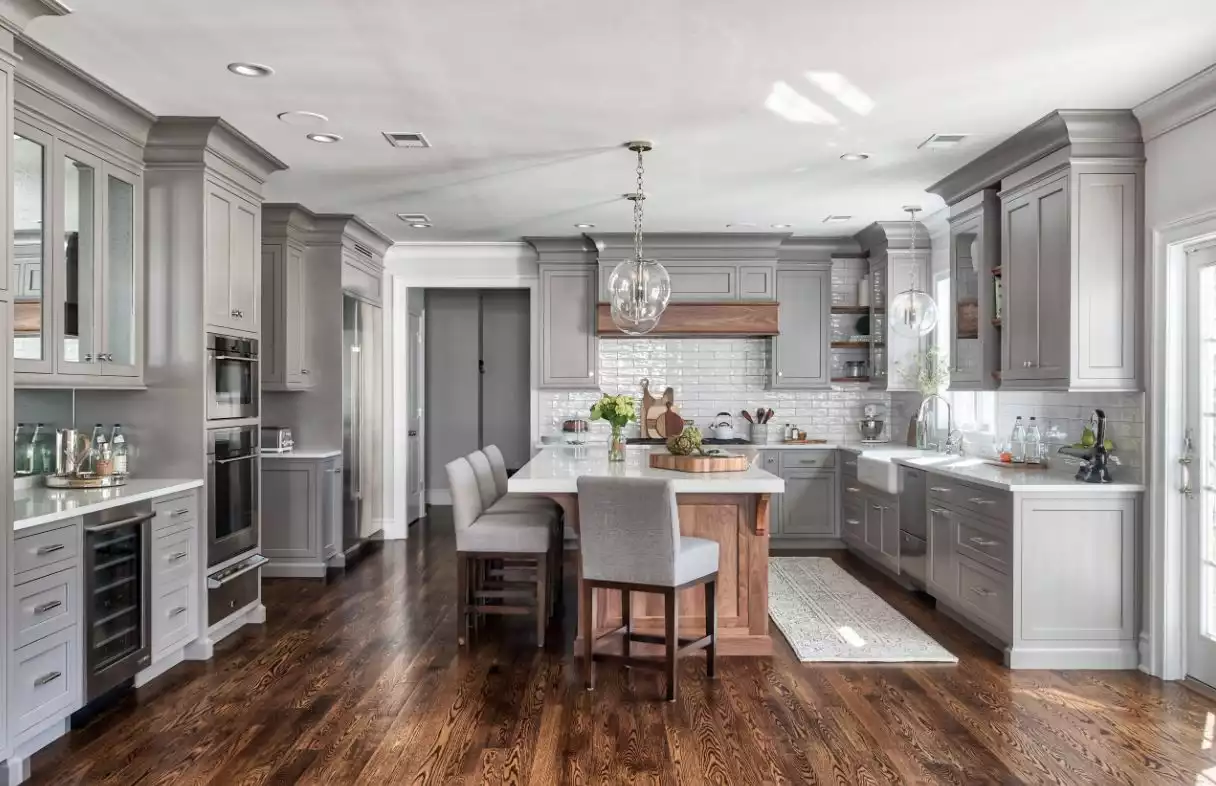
{"x":898,"y":253}
{"x":569,"y":348}
{"x":975,"y":279}
{"x":233,"y":253}
{"x":800,"y":352}
{"x":77,"y":273}
{"x":1066,"y":294}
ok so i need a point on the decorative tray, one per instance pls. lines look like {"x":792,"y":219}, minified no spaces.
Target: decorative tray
{"x":84,"y":481}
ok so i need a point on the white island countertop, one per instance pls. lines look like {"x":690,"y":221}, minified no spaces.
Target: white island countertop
{"x":34,"y":506}
{"x":556,"y":470}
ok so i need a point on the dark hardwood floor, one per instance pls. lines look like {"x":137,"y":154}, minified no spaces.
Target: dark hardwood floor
{"x":360,"y":681}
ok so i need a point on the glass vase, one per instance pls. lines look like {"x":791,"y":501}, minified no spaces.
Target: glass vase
{"x":616,"y":445}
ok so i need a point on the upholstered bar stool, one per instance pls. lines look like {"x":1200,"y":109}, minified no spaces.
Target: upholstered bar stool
{"x":505,"y":501}
{"x":629,"y":538}
{"x":523,"y":537}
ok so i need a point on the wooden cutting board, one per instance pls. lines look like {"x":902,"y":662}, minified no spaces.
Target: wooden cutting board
{"x":671,"y":424}
{"x":699,"y":463}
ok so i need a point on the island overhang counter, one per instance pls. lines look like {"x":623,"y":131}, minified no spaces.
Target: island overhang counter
{"x":731,"y":508}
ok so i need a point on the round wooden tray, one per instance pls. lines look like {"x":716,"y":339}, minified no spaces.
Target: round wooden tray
{"x":699,"y":463}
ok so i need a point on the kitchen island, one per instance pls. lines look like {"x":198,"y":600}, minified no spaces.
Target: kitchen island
{"x":731,"y":508}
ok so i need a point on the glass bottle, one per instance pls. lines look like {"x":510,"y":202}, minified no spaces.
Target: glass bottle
{"x":37,"y":461}
{"x":20,"y":467}
{"x":1034,"y":443}
{"x":120,"y":450}
{"x":44,"y":447}
{"x":1017,"y":441}
{"x":97,"y":446}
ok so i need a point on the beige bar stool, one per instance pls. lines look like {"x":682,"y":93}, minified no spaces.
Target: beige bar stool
{"x":629,"y":538}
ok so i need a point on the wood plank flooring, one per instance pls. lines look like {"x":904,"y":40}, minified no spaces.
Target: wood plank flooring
{"x":360,"y":681}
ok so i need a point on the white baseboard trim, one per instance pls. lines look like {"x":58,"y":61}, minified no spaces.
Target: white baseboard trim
{"x":253,"y":614}
{"x":293,"y":570}
{"x":159,"y":667}
{"x":1120,"y":656}
{"x":17,"y":767}
{"x":1146,"y":653}
{"x":438,"y":497}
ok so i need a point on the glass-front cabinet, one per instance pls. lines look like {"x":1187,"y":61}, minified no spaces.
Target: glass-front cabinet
{"x":78,"y":264}
{"x":975,"y":281}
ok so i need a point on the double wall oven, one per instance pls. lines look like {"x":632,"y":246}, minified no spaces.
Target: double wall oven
{"x":233,"y":387}
{"x":233,"y":495}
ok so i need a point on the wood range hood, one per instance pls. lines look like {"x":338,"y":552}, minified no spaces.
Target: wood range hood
{"x":724,"y":319}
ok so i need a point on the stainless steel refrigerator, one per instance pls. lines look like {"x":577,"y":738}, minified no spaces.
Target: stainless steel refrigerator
{"x":361,"y":395}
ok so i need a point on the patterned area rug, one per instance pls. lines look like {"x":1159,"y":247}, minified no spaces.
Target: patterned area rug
{"x":828,"y":616}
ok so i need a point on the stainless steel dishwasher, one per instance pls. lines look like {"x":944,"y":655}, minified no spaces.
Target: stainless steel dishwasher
{"x":913,"y":526}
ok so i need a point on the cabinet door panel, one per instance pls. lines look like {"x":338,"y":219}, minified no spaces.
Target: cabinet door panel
{"x":244,"y":275}
{"x":943,"y":567}
{"x":809,"y":504}
{"x":1054,"y":283}
{"x":874,"y":523}
{"x":1020,"y":266}
{"x":122,"y":283}
{"x":218,"y":252}
{"x":800,"y":352}
{"x":33,"y":208}
{"x":78,"y":221}
{"x":295,"y":306}
{"x":568,"y":345}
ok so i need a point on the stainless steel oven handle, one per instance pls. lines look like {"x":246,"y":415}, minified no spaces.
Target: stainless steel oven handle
{"x":238,"y":458}
{"x":237,"y":358}
{"x":256,"y":563}
{"x":113,"y":525}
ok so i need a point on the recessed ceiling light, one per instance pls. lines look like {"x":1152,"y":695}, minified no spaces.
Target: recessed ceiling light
{"x":854,"y":156}
{"x":250,"y":69}
{"x":302,"y":119}
{"x":780,"y":226}
{"x":584,"y":226}
{"x":741,"y":225}
{"x":414,"y":218}
{"x":836,"y":219}
{"x":325,"y":139}
{"x":420,"y":225}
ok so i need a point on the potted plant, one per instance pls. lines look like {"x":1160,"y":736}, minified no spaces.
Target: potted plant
{"x":619,"y":411}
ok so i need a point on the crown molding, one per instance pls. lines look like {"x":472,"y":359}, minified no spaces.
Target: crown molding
{"x":1190,"y":99}
{"x":286,"y":221}
{"x":739,"y":246}
{"x":1087,"y":133}
{"x":575,"y":249}
{"x":882,"y":236}
{"x":817,"y":249}
{"x":507,"y":255}
{"x":15,"y":15}
{"x":347,"y":228}
{"x":210,"y":142}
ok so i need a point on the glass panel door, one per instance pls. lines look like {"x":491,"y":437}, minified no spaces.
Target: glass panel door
{"x":966,"y":355}
{"x":79,"y":213}
{"x":1199,"y":460}
{"x":120,"y":283}
{"x":32,"y":318}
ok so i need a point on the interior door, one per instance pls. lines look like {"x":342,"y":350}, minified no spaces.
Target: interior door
{"x":415,"y":482}
{"x":1199,"y":461}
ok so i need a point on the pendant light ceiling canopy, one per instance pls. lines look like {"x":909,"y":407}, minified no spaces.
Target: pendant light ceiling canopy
{"x":913,"y":311}
{"x":638,"y":288}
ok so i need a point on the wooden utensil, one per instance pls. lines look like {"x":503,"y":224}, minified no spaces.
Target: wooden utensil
{"x":672,"y":424}
{"x":648,"y":403}
{"x":654,"y":421}
{"x":747,"y":416}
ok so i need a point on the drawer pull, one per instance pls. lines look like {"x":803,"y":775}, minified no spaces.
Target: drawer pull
{"x":48,"y":677}
{"x":42,"y":551}
{"x":983,"y":592}
{"x":180,"y":512}
{"x":982,"y":501}
{"x":50,"y":605}
{"x":178,"y":557}
{"x":876,"y":507}
{"x":941,"y":489}
{"x":852,"y":522}
{"x":853,"y":489}
{"x":177,"y":611}
{"x":984,"y":542}
{"x":850,"y":463}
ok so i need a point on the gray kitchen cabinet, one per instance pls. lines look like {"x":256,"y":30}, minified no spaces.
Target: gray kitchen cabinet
{"x":899,"y":253}
{"x":801,"y":357}
{"x":232,"y":250}
{"x":301,"y":515}
{"x":286,"y":344}
{"x":569,"y":347}
{"x":975,"y":250}
{"x":942,"y":573}
{"x":809,"y":504}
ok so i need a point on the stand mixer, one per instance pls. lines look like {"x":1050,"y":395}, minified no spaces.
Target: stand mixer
{"x":869,"y":426}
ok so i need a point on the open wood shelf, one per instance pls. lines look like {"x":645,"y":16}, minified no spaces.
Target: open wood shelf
{"x":850,"y":309}
{"x":850,"y":379}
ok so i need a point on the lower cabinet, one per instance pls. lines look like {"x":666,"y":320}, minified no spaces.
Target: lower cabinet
{"x":301,"y":514}
{"x":808,"y":509}
{"x":942,"y":576}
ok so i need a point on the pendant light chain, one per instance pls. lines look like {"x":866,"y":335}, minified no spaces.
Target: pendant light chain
{"x":639,"y":198}
{"x":915,"y":264}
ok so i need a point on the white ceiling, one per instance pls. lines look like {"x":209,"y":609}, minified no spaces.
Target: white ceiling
{"x":527,"y":101}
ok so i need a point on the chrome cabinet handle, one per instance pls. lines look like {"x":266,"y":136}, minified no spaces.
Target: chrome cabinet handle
{"x":983,"y":592}
{"x":50,"y":605}
{"x":177,"y":611}
{"x":982,"y":501}
{"x":180,"y":512}
{"x":590,"y":374}
{"x":89,"y":358}
{"x":178,"y":557}
{"x":48,"y":677}
{"x":876,"y":507}
{"x":42,"y":551}
{"x":237,"y":314}
{"x":305,"y":371}
{"x":853,"y":522}
{"x":940,"y":489}
{"x":853,"y":489}
{"x":984,"y":542}
{"x":781,"y":373}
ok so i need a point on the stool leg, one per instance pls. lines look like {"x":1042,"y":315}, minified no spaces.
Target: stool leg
{"x":711,"y":627}
{"x":626,"y":619}
{"x":588,"y":638}
{"x":462,"y":599}
{"x":542,"y":597}
{"x":672,"y":602}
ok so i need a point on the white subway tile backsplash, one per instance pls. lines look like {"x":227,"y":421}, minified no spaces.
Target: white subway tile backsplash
{"x":710,"y":376}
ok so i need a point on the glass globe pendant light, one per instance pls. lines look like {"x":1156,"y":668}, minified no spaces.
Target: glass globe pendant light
{"x":638,"y":288}
{"x":913,"y":311}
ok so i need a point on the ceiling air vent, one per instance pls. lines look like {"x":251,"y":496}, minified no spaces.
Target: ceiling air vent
{"x":414,"y":218}
{"x":406,"y":139}
{"x":940,"y":141}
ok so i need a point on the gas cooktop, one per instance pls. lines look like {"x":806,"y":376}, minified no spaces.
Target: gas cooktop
{"x":705,"y":441}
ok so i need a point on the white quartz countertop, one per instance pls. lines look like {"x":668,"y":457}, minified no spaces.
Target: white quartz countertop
{"x":301,"y":454}
{"x":556,"y":470}
{"x":1057,"y":479}
{"x":37,"y":505}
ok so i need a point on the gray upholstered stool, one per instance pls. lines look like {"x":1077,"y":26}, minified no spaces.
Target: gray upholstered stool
{"x":629,"y":537}
{"x":504,"y":501}
{"x":526,"y":539}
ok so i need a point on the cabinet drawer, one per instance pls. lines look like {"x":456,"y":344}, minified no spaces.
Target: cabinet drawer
{"x":176,"y":511}
{"x":174,"y":616}
{"x":992,"y":503}
{"x":792,"y":459}
{"x":985,"y":595}
{"x":770,"y":461}
{"x":984,"y":542}
{"x":853,"y":525}
{"x":173,"y":558}
{"x":234,"y":595}
{"x":45,"y":606}
{"x":44,"y":549}
{"x":45,"y":680}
